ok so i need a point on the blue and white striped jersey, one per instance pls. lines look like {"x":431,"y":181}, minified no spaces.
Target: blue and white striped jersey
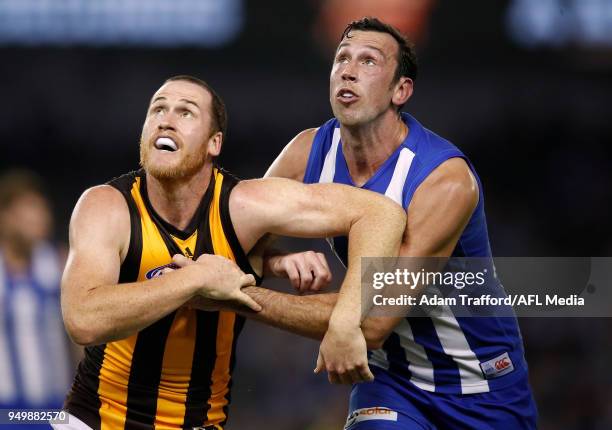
{"x":445,"y":354}
{"x":35,"y":364}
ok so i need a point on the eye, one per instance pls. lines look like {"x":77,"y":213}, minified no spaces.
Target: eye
{"x":186,"y":114}
{"x":369,"y":62}
{"x":342,"y":60}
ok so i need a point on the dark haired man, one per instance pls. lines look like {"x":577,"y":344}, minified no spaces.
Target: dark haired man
{"x":152,"y":360}
{"x":430,"y":372}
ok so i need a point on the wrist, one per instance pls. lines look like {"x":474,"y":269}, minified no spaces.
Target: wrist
{"x":340,"y":322}
{"x":196,"y":282}
{"x":273,"y":265}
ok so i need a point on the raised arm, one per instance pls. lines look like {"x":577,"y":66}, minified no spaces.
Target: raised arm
{"x":95,"y":308}
{"x":374,"y":226}
{"x":438,"y":213}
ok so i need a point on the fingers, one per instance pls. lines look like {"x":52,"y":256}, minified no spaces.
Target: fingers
{"x":323,"y":260}
{"x":247,"y":281}
{"x":247,"y":300}
{"x":294,"y":275}
{"x":320,"y":364}
{"x":182,"y":261}
{"x":350,"y":376}
{"x":346,"y":377}
{"x":364,"y":373}
{"x":321,"y":272}
{"x":306,"y":277}
{"x":333,"y":377}
{"x":354,"y":376}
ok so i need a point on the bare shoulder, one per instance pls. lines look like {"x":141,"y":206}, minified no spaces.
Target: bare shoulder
{"x":101,"y":201}
{"x":291,"y":162}
{"x":100,"y":213}
{"x":454,"y":179}
{"x":440,"y":210}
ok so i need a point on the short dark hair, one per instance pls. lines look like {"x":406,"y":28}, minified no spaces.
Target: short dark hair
{"x":219,"y":113}
{"x":16,"y":183}
{"x":406,"y":59}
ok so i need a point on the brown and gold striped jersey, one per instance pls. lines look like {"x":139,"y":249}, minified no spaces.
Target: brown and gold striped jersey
{"x":175,"y":373}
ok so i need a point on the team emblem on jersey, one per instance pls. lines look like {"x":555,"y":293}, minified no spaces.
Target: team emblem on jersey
{"x":158,"y":271}
{"x":367,"y":414}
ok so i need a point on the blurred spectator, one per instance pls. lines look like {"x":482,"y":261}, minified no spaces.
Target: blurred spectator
{"x":35,"y":364}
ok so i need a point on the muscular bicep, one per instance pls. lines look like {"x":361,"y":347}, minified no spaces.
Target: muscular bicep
{"x":437,"y":215}
{"x":99,"y":234}
{"x":289,"y":208}
{"x":291,"y":162}
{"x":440,"y":210}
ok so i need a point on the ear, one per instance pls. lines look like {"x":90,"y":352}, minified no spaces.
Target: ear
{"x":403,"y":91}
{"x":214,"y":144}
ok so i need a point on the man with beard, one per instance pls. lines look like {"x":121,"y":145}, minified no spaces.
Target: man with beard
{"x":152,"y":360}
{"x":443,"y":371}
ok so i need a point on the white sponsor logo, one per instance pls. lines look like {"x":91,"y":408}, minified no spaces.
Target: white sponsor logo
{"x":367,"y":414}
{"x":497,"y":366}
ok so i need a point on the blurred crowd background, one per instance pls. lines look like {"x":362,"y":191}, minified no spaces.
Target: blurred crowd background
{"x":523,"y":87}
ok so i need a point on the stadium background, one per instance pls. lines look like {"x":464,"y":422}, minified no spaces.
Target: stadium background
{"x":522,"y":87}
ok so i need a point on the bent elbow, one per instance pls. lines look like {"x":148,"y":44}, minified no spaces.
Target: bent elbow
{"x":80,"y":332}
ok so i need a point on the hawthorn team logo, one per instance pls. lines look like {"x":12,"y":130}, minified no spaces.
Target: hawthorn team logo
{"x":158,"y":271}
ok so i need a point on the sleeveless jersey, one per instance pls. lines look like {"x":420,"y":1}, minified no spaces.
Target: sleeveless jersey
{"x":445,"y":354}
{"x":175,"y":373}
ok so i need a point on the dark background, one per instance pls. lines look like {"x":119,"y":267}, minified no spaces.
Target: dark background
{"x":535,"y":119}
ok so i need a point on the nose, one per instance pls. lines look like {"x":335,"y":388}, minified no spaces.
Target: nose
{"x":348,"y":73}
{"x":166,"y":124}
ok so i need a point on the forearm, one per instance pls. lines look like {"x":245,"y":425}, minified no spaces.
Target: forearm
{"x":302,"y":315}
{"x":306,"y":316}
{"x":110,"y":312}
{"x":371,"y":236}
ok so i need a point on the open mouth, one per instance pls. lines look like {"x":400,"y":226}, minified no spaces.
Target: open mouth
{"x":347,"y":96}
{"x":166,"y":144}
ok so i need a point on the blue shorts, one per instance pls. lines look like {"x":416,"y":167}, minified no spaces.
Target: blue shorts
{"x":388,"y":405}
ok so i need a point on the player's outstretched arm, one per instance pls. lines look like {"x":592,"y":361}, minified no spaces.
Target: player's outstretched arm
{"x":373,"y":224}
{"x":96,"y":309}
{"x":439,"y":211}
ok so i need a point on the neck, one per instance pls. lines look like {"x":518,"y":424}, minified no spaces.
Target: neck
{"x":17,"y":258}
{"x":367,"y":146}
{"x":176,"y":200}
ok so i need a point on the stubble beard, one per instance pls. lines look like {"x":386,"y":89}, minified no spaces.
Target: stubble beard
{"x":189,"y":165}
